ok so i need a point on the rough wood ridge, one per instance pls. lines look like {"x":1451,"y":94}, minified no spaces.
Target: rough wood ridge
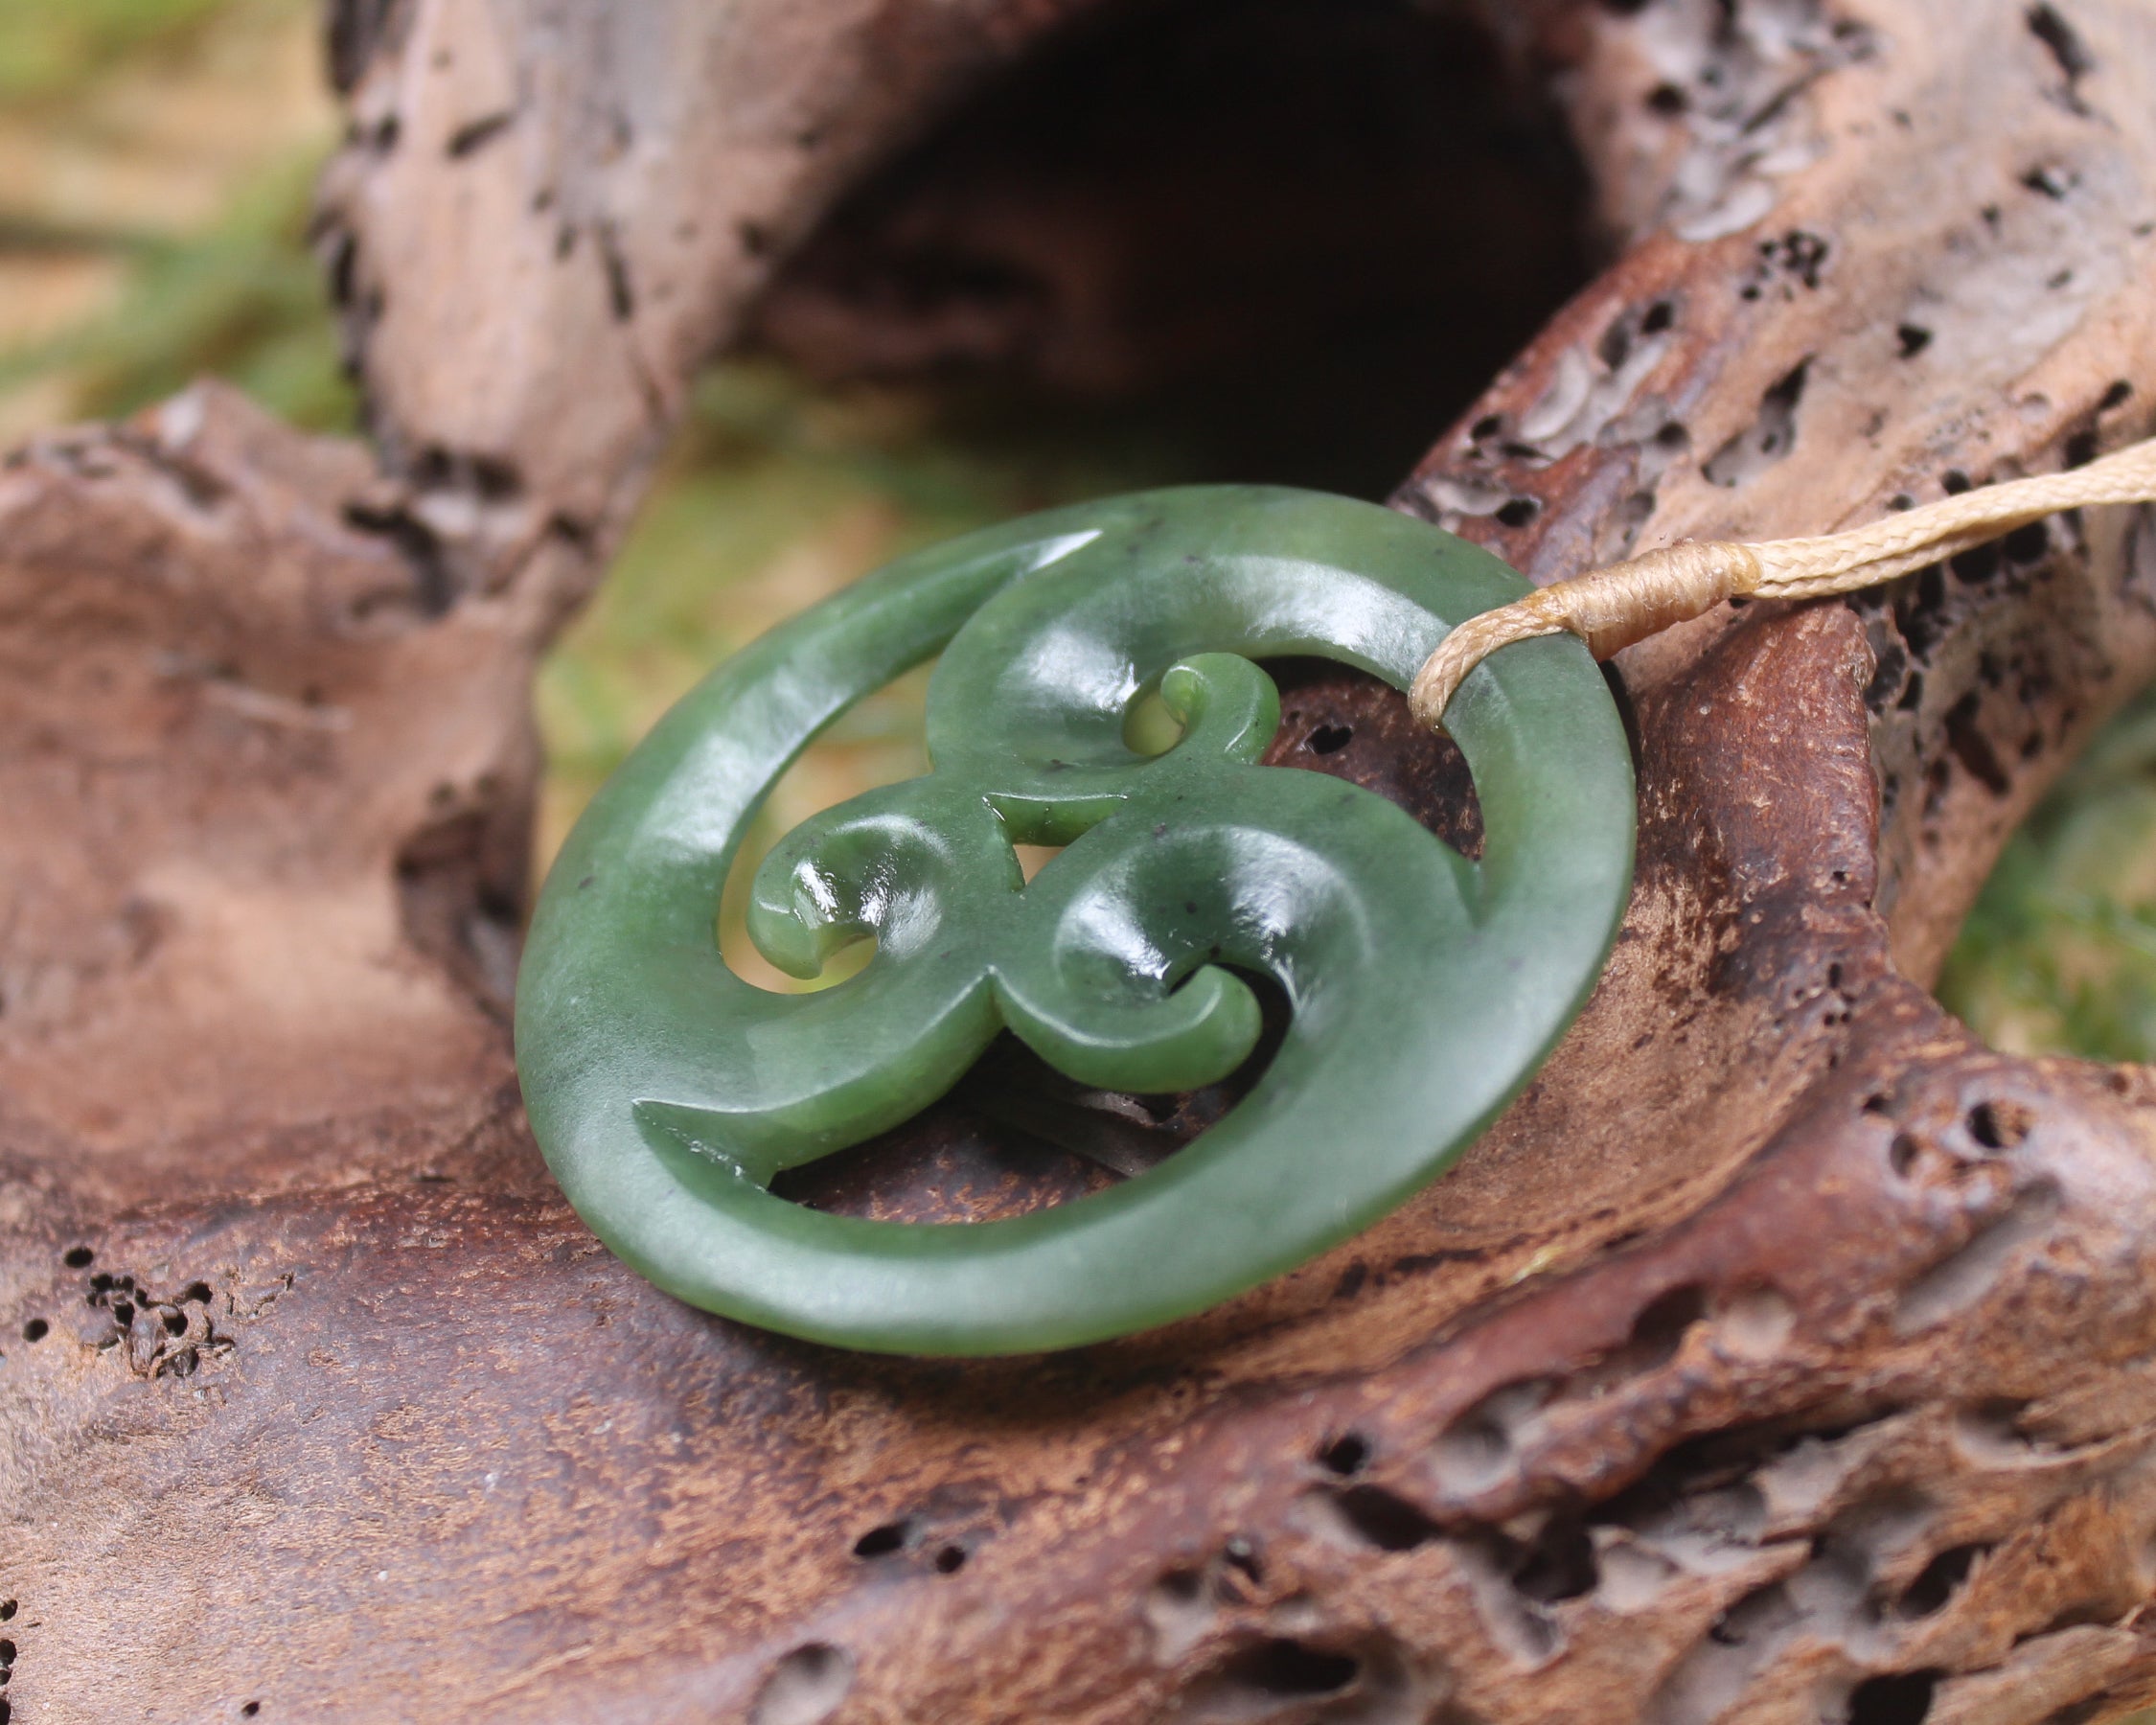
{"x":1784,"y":1355}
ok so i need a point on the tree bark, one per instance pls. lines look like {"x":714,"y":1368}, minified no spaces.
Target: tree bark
{"x":1783,"y":1354}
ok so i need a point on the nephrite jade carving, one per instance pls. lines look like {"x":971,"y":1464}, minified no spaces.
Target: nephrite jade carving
{"x":1424,"y":989}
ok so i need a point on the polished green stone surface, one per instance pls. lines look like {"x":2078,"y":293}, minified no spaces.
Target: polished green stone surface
{"x":1424,"y":989}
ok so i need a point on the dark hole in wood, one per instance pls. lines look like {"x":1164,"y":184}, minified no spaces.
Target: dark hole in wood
{"x":36,"y":1330}
{"x":78,"y":1258}
{"x":1965,"y":739}
{"x":1661,"y":1325}
{"x":1182,"y":1585}
{"x":1999,"y":1125}
{"x":1389,"y":1523}
{"x":882,"y":1541}
{"x":1282,"y":1668}
{"x":1939,"y":1579}
{"x":2028,"y":543}
{"x":1166,"y":159}
{"x":2066,"y":47}
{"x":1901,"y":1699}
{"x":1348,"y":1454}
{"x":1557,"y":1564}
{"x":1329,"y":739}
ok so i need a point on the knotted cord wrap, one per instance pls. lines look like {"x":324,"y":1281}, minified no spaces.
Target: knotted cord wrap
{"x":1612,"y":608}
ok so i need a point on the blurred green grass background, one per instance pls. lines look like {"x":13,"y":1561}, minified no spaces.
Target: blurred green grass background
{"x":156,"y":158}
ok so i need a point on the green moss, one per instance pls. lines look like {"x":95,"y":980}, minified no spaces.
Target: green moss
{"x":50,"y":49}
{"x":243,"y":301}
{"x":2059,"y":954}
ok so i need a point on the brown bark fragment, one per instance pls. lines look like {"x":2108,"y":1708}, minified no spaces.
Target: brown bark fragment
{"x":1783,"y":1355}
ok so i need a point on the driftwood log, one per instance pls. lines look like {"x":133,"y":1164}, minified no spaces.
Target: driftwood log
{"x":1784,"y":1356}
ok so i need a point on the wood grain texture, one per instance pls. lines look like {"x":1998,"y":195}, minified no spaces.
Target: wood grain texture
{"x":1783,"y":1355}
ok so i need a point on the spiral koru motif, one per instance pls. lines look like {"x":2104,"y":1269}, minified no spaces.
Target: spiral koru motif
{"x":1423,"y":988}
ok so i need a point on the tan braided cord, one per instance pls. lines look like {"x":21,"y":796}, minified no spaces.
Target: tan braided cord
{"x":1612,"y":608}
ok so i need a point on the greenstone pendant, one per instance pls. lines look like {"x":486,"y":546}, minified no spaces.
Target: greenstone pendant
{"x":1424,"y":989}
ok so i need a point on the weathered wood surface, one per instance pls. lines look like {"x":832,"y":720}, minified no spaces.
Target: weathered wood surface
{"x":1783,"y":1355}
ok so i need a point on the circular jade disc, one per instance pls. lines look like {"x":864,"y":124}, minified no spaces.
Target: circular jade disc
{"x":1424,"y":989}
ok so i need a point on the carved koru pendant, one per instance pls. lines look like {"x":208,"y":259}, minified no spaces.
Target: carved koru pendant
{"x":1423,"y":989}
